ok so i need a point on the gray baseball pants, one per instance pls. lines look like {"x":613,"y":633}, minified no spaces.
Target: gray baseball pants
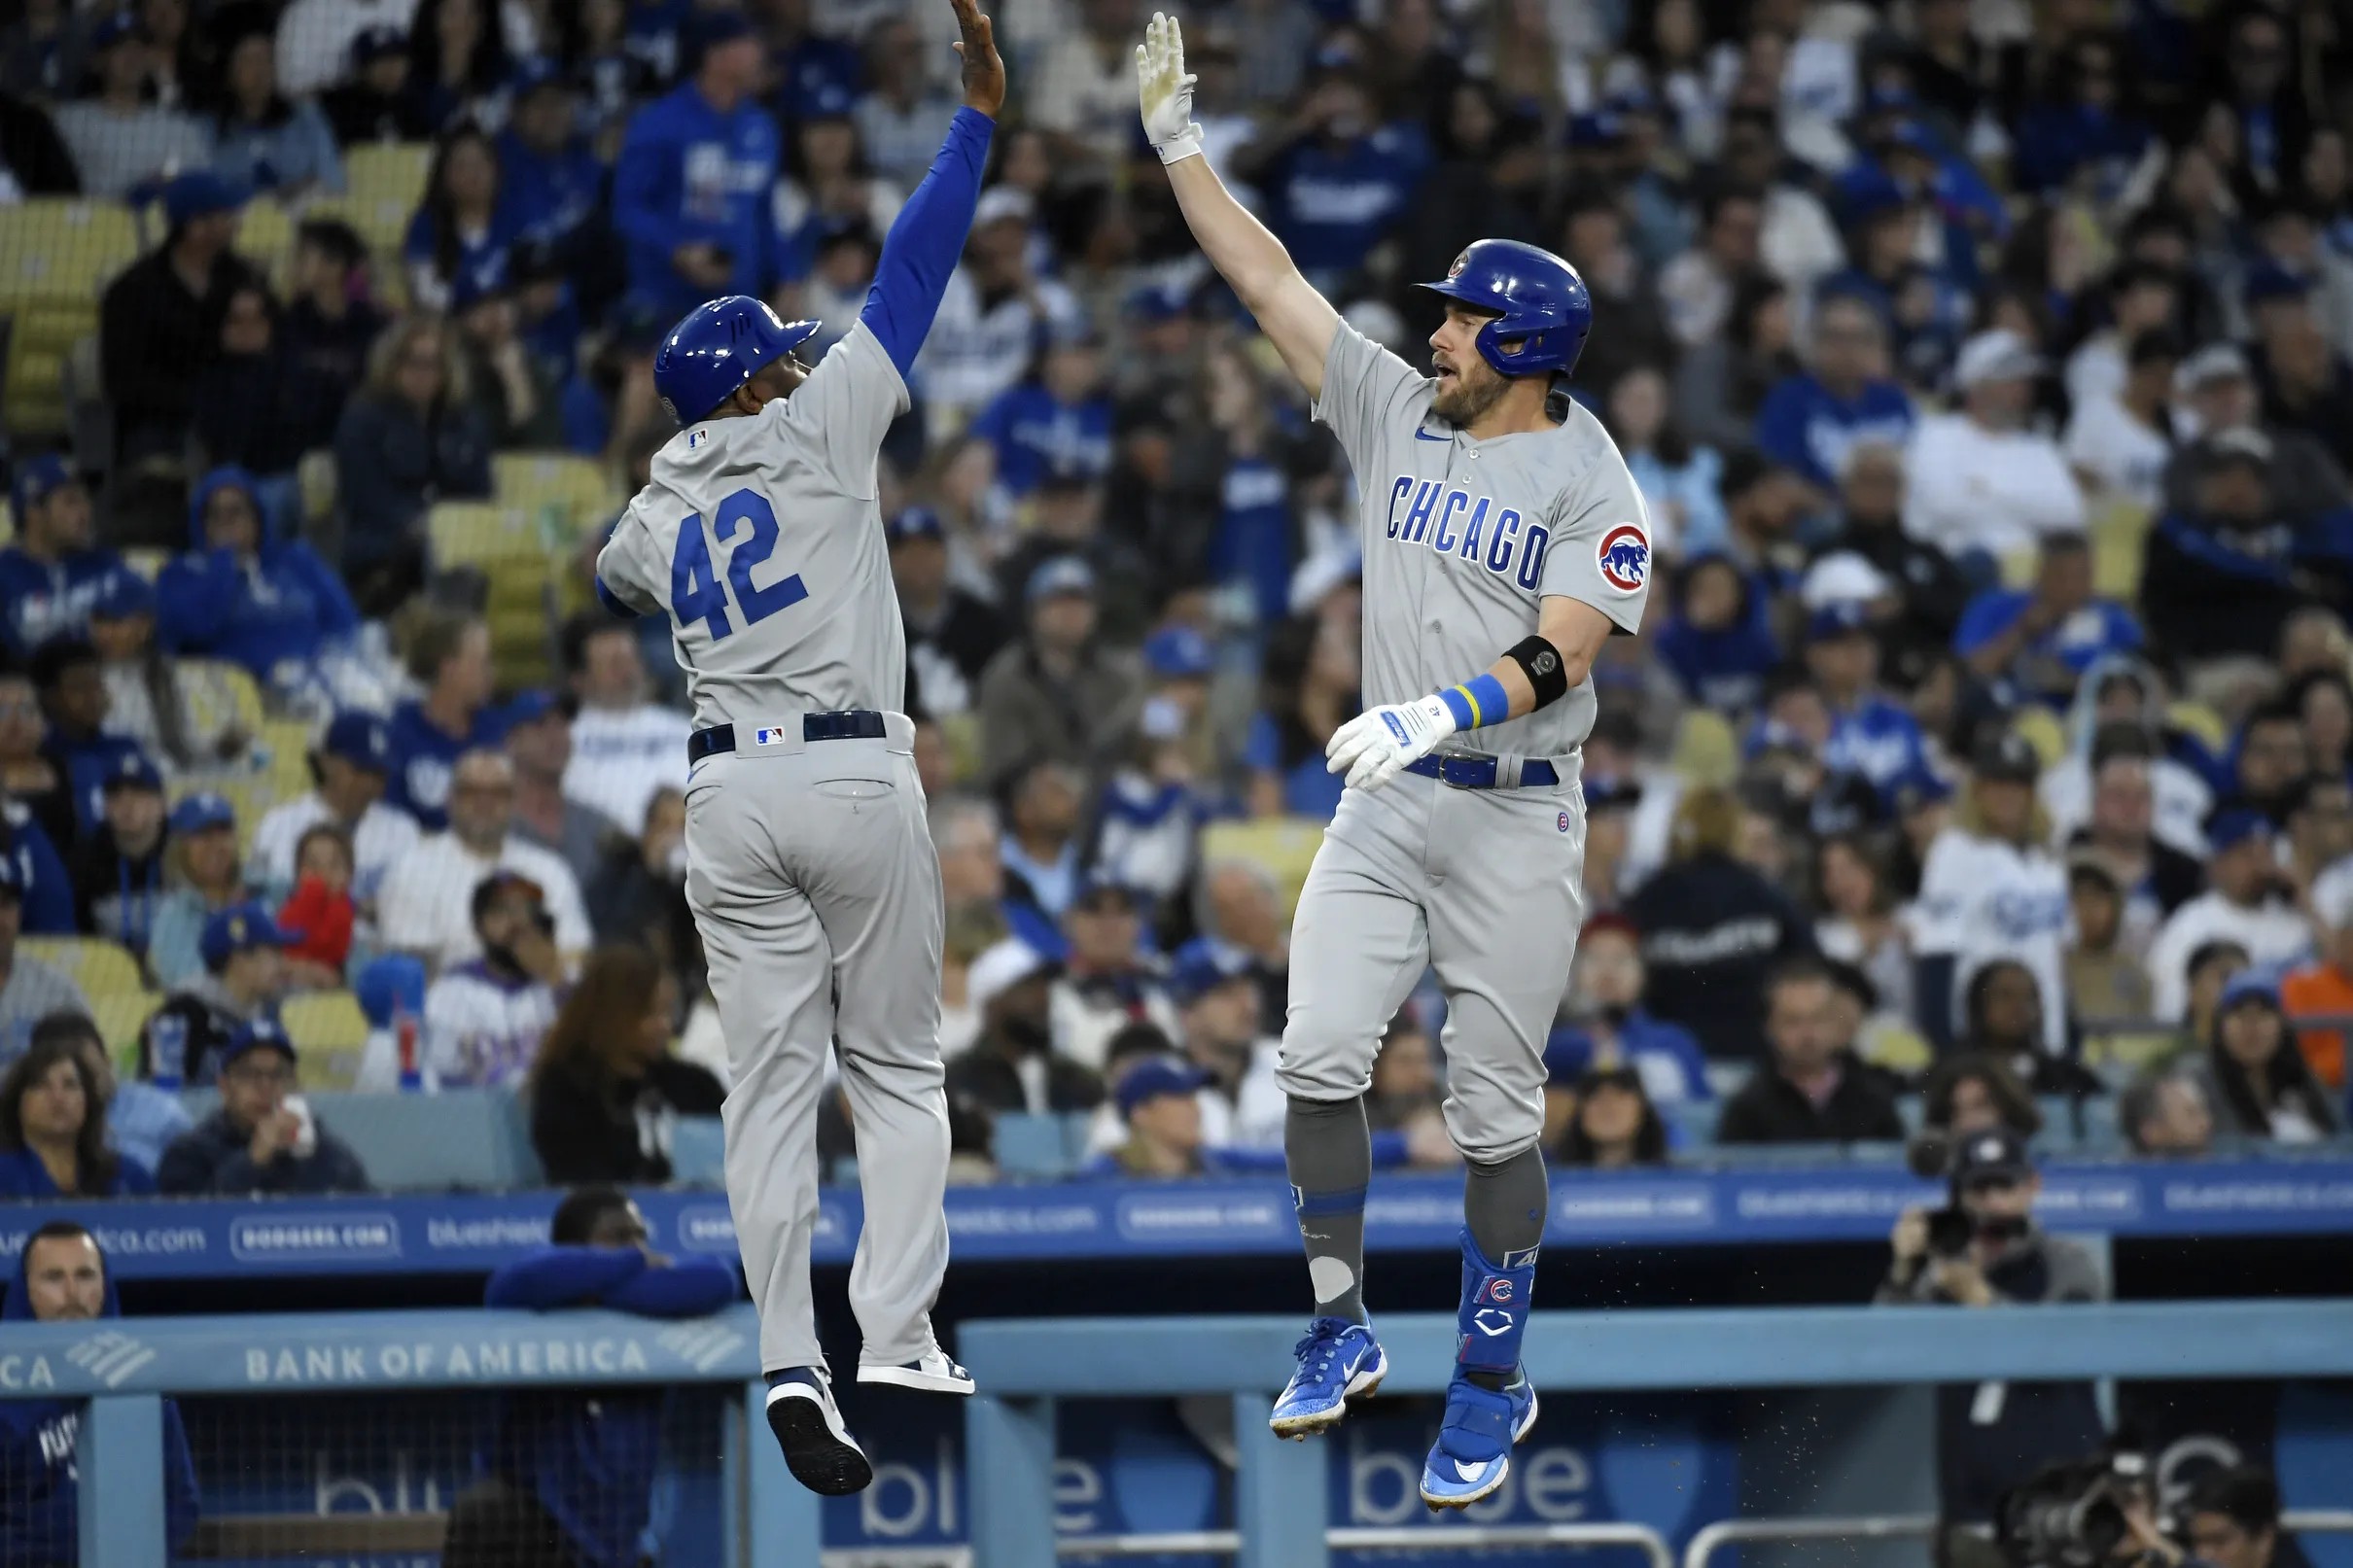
{"x":814,"y":886}
{"x":1483,"y":886}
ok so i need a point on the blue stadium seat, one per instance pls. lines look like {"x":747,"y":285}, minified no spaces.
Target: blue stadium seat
{"x":1032,"y":1147}
{"x":698,"y":1152}
{"x":467,"y":1138}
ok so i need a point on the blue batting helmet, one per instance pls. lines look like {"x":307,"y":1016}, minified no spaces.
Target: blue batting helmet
{"x":1545,"y":309}
{"x":717,"y":348}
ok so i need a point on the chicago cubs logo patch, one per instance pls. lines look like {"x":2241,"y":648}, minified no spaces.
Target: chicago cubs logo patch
{"x":1564,"y":821}
{"x":1624,"y":557}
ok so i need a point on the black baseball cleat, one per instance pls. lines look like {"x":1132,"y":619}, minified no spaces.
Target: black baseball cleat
{"x":817,"y":1448}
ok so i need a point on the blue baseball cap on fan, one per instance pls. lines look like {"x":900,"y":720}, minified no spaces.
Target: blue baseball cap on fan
{"x":1154,"y":1077}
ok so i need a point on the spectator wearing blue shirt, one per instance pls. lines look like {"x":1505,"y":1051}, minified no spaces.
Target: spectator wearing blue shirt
{"x":71,"y":680}
{"x":53,"y":1128}
{"x":1608,"y":1026}
{"x":2226,"y":568}
{"x":549,"y":180}
{"x":461,"y":238}
{"x":450,"y":659}
{"x":52,"y":573}
{"x":262,"y":140}
{"x":1812,"y":418}
{"x":691,"y":191}
{"x":30,"y":865}
{"x":1058,"y":422}
{"x":2087,"y":132}
{"x":1718,"y":642}
{"x":1871,"y":737}
{"x":569,"y":1475}
{"x":2036,"y":642}
{"x":1905,"y":157}
{"x":242,"y":594}
{"x":1338,"y":190}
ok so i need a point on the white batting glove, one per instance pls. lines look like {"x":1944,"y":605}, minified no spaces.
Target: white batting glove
{"x":1165,"y":91}
{"x":1378,"y":743}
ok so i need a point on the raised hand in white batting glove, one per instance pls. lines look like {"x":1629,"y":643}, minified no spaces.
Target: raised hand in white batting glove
{"x":1378,"y":743}
{"x":1165,"y":91}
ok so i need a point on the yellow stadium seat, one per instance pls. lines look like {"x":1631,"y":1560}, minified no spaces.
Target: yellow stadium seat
{"x":221,"y":679}
{"x":98,"y":966}
{"x":121,"y":1016}
{"x":2120,"y":538}
{"x":476,"y":532}
{"x":315,"y":475}
{"x":266,"y":234}
{"x":567,"y":493}
{"x":286,"y":743}
{"x":2043,"y":731}
{"x":389,"y":172}
{"x":63,"y":248}
{"x":1283,"y":845}
{"x":1707,"y":754}
{"x":2202,"y":722}
{"x":329,"y":1029}
{"x":145,"y":561}
{"x":8,"y":525}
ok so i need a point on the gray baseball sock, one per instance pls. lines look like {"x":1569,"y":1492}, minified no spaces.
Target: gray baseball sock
{"x":1329,"y":1151}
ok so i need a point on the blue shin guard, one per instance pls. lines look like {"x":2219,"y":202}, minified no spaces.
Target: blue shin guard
{"x":1473,"y":1452}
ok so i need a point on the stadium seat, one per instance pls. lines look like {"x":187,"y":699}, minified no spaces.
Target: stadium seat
{"x":266,"y":234}
{"x":2120,"y":538}
{"x":476,"y":532}
{"x":285,"y":757}
{"x":98,"y":966}
{"x":698,"y":1152}
{"x":243,"y":693}
{"x":63,"y":248}
{"x":8,"y":525}
{"x":329,"y":1029}
{"x":1706,"y":753}
{"x":121,"y":1016}
{"x":464,"y":1138}
{"x":1283,"y":845}
{"x":1029,"y":1147}
{"x":2202,"y":723}
{"x":315,"y":479}
{"x":148,"y":562}
{"x":2042,"y":730}
{"x":566,"y":493}
{"x":389,"y":172}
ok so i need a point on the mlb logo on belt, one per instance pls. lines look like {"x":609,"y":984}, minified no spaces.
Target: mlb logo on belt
{"x":768,"y":735}
{"x":1624,"y":556}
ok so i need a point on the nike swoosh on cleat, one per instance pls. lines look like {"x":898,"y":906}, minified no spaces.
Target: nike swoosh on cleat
{"x":1473,"y":1474}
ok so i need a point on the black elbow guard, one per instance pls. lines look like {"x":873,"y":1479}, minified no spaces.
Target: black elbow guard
{"x":1542,"y":664}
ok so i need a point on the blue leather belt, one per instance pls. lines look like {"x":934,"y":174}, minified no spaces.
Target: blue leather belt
{"x":1479,"y":772}
{"x":852,"y":724}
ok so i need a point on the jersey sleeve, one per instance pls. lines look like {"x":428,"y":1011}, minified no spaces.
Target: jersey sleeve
{"x":847,"y":406}
{"x":1367,"y":391}
{"x":1601,"y":552}
{"x":629,"y":568}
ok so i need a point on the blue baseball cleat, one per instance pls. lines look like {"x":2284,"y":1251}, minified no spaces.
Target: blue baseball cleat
{"x":1473,"y":1452}
{"x":1339,"y":1361}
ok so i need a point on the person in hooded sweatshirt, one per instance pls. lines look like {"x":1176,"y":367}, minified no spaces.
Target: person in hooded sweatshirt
{"x":62,"y":1277}
{"x":242,"y":594}
{"x":1718,"y":643}
{"x":2117,"y":692}
{"x":568,"y":1475}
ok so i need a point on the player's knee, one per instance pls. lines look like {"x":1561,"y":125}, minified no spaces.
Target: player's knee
{"x":1489,"y":1127}
{"x":1323,"y":1063}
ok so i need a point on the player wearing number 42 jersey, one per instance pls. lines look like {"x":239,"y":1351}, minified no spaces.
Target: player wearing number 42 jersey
{"x":809,"y":868}
{"x":1503,"y":540}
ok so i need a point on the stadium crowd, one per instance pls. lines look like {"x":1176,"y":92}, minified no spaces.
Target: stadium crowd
{"x":1987,"y":370}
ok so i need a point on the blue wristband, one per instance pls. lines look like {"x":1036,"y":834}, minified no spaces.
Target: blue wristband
{"x":1477,"y":703}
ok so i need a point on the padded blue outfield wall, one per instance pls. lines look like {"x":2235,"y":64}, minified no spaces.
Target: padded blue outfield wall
{"x":1671,"y":1445}
{"x":474,"y":1233}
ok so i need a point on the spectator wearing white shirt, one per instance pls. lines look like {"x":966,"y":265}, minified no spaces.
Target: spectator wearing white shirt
{"x":624,"y":744}
{"x":1991,"y":891}
{"x":484,"y":1018}
{"x":1220,"y":1031}
{"x":2142,"y":297}
{"x":315,"y":38}
{"x":348,"y":769}
{"x":425,"y":908}
{"x":1697,"y":287}
{"x":539,"y":742}
{"x":2119,"y":443}
{"x":2245,"y":903}
{"x":1979,"y":479}
{"x":996,"y":311}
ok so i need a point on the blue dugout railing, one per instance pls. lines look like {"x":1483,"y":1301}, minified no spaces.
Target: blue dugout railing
{"x":1023,"y":1366}
{"x":125,"y":1367}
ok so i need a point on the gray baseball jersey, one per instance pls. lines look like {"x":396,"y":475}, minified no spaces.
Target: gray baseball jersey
{"x":1463,"y":537}
{"x":761,"y":539}
{"x":1462,"y":540}
{"x":808,"y":868}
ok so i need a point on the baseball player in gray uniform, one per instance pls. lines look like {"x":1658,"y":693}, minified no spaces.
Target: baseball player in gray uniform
{"x":809,"y":870}
{"x":1503,"y":540}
